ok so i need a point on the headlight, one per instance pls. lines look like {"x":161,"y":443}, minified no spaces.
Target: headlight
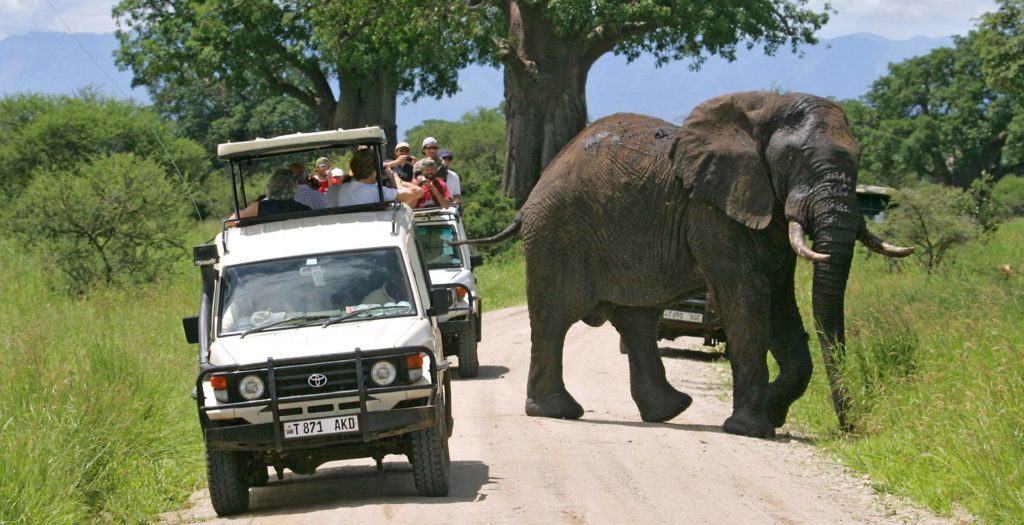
{"x":383,"y":373}
{"x":251,"y":387}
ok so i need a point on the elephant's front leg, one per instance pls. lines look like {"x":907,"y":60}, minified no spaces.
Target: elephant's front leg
{"x":788,"y":344}
{"x":652,"y":393}
{"x":744,"y":307}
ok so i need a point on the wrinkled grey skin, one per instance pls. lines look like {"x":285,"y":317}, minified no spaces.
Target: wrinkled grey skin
{"x":636,"y":213}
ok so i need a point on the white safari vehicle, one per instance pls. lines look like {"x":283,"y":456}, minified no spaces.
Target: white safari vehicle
{"x":318,"y":335}
{"x":453,"y":265}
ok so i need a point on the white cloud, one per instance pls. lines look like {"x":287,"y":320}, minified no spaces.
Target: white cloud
{"x":81,"y":16}
{"x":905,"y":18}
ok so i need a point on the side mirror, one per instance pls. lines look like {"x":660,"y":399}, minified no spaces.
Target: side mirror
{"x":439,"y":299}
{"x":476,"y":260}
{"x":191,"y":326}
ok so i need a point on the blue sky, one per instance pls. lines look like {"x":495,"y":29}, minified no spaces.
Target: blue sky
{"x":895,"y":19}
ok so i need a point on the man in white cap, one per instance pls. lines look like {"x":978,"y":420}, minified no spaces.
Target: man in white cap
{"x":402,"y":163}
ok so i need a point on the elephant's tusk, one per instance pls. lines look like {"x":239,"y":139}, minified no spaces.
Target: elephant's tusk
{"x":796,"y":240}
{"x":877,"y":245}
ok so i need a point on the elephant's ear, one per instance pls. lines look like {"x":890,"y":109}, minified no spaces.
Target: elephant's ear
{"x":718,"y":158}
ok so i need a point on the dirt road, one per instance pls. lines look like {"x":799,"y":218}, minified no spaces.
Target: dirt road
{"x":608,"y":467}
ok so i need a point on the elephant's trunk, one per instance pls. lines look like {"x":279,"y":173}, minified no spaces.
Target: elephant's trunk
{"x":835,"y":232}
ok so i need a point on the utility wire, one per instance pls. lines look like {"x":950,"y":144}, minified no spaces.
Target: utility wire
{"x":163,"y":146}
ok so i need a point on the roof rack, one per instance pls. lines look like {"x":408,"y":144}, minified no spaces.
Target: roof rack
{"x":299,"y":142}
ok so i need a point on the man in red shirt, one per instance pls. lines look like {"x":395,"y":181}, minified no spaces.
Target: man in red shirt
{"x":435,"y":191}
{"x":322,"y":174}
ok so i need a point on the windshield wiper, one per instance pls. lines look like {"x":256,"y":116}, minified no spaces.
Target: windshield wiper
{"x":302,"y":319}
{"x":349,"y":315}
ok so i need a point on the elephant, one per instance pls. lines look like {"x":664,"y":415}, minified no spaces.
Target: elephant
{"x":636,"y":213}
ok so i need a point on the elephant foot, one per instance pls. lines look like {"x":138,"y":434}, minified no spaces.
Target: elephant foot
{"x":749,"y":426}
{"x":777,"y":413}
{"x":560,"y":405}
{"x":664,"y":407}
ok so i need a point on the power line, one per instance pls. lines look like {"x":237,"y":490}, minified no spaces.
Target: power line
{"x":163,"y":146}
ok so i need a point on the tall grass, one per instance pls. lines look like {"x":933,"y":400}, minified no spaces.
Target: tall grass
{"x":935,"y":369}
{"x":96,"y":421}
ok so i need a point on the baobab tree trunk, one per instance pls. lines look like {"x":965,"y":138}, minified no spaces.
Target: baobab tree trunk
{"x":545,"y":96}
{"x":368,"y":101}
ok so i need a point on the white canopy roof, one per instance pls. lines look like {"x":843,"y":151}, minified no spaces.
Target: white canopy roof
{"x":298,"y":142}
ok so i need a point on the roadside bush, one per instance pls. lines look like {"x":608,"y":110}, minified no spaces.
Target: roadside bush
{"x":114,"y":219}
{"x":978,"y":204}
{"x":46,"y":136}
{"x":932,"y":219}
{"x":1009,"y":192}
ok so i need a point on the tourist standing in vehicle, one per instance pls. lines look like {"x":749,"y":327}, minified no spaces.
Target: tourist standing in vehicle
{"x":322,"y":174}
{"x":435,"y":191}
{"x":362,"y":189}
{"x":303,"y":192}
{"x":452,"y":178}
{"x":280,"y":197}
{"x":402,"y":163}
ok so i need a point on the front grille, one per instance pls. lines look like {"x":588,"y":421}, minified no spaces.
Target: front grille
{"x":294,"y":380}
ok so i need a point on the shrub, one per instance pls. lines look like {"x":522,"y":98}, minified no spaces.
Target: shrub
{"x":932,"y":219}
{"x":114,"y":219}
{"x":1009,"y":192}
{"x":56,"y":132}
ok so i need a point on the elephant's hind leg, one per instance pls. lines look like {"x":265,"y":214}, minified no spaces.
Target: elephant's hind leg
{"x":546,"y":395}
{"x":652,"y":393}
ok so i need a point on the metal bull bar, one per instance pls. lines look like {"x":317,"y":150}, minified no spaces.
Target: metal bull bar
{"x":372,"y":425}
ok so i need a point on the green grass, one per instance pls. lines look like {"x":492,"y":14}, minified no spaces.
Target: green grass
{"x":935,"y":367}
{"x":502,"y":280}
{"x":96,"y":422}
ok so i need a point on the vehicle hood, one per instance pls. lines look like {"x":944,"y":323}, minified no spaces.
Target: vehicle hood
{"x":313,"y":340}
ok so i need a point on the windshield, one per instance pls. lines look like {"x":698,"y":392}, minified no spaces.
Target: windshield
{"x":262,"y":295}
{"x":438,"y":252}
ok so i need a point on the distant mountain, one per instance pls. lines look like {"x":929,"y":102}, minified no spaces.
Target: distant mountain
{"x":841,"y":67}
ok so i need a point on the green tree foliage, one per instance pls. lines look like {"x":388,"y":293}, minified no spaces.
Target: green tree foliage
{"x":932,"y":219}
{"x":211,"y":113}
{"x":297,"y":48}
{"x":548,"y":47}
{"x":113,"y":219}
{"x":46,"y":136}
{"x":1000,"y":43}
{"x":1009,"y":193}
{"x":934,"y":118}
{"x":477,"y":141}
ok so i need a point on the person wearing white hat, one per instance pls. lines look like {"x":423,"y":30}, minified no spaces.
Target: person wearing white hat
{"x":402,"y":163}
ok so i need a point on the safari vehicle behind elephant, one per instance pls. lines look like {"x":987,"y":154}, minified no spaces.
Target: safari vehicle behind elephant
{"x":453,"y":265}
{"x":318,"y":336}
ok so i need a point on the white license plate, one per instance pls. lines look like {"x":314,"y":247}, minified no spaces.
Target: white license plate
{"x":317,"y":427}
{"x":676,"y":315}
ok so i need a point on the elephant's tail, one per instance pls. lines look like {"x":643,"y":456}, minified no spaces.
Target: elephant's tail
{"x":511,"y":230}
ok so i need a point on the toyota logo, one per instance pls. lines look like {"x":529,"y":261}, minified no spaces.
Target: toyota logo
{"x":317,"y":380}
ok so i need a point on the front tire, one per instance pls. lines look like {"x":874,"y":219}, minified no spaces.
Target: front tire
{"x":428,"y":453}
{"x":469,"y":361}
{"x":227,"y":472}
